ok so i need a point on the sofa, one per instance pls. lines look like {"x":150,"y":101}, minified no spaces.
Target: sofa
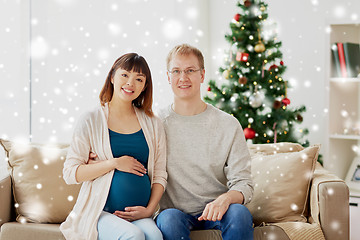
{"x":294,"y":196}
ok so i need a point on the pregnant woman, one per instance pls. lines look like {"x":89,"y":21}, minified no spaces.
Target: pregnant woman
{"x":121,"y":188}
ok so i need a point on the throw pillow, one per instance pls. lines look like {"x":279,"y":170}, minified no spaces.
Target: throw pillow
{"x":281,"y":185}
{"x":40,"y":193}
{"x":273,"y":148}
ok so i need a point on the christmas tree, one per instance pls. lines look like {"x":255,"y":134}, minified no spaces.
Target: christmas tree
{"x":253,"y":89}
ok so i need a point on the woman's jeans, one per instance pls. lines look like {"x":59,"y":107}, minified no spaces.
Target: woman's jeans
{"x":111,"y":227}
{"x":235,"y":224}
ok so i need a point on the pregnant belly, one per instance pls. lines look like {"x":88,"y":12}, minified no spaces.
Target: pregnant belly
{"x":127,"y":190}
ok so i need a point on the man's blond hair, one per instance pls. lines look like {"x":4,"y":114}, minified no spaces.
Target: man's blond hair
{"x":185,"y":49}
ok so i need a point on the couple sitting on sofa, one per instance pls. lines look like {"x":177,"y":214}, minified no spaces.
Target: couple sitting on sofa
{"x":197,"y":152}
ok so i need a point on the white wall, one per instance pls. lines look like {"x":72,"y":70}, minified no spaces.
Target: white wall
{"x":14,"y":69}
{"x":74,"y":44}
{"x":14,"y":73}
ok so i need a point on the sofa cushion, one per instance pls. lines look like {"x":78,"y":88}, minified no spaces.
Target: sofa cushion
{"x":281,"y":183}
{"x":40,"y":193}
{"x":263,"y":232}
{"x":14,"y":230}
{"x":273,"y":148}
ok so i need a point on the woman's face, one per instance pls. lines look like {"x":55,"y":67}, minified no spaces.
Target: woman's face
{"x":128,"y":85}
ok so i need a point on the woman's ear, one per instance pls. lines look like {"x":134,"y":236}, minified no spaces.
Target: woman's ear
{"x":113,"y":72}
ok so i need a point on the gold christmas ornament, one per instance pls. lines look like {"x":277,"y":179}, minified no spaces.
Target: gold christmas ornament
{"x":226,"y":74}
{"x":259,"y":47}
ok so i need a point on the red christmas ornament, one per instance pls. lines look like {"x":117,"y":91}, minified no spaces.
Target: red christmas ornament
{"x":243,"y":57}
{"x":299,"y":118}
{"x":237,"y":17}
{"x":247,"y":3}
{"x":249,"y":133}
{"x":286,"y":101}
{"x":209,"y":89}
{"x":243,"y":80}
{"x":281,"y":63}
{"x":277,"y":104}
{"x":272,"y":67}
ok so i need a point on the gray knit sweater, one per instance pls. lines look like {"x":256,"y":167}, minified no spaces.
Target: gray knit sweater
{"x":207,"y":155}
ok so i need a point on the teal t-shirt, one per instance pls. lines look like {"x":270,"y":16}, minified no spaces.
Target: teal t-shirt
{"x":128,"y":189}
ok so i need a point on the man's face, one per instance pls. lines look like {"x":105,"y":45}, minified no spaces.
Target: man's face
{"x":185,"y":76}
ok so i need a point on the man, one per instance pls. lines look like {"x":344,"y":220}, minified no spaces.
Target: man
{"x":208,"y":161}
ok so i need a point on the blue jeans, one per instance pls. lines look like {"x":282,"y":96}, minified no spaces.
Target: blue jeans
{"x":235,"y":224}
{"x":111,"y":227}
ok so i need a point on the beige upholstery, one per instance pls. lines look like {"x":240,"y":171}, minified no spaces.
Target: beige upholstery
{"x":39,"y":190}
{"x":6,"y":208}
{"x":333,"y":207}
{"x":35,"y":231}
{"x":274,"y":177}
{"x":327,"y":206}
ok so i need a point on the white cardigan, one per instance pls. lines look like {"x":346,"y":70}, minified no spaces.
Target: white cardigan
{"x":91,"y":135}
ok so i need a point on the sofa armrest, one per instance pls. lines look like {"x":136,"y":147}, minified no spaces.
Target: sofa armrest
{"x":329,"y":203}
{"x":5,"y":199}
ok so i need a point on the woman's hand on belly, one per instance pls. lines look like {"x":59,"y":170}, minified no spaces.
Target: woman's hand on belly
{"x":130,"y":165}
{"x":123,"y":163}
{"x":134,"y":213}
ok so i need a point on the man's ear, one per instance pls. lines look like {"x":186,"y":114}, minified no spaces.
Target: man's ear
{"x":169,"y":81}
{"x":202,"y":75}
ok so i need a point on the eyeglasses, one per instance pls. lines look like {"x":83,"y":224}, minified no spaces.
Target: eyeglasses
{"x":188,"y":72}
